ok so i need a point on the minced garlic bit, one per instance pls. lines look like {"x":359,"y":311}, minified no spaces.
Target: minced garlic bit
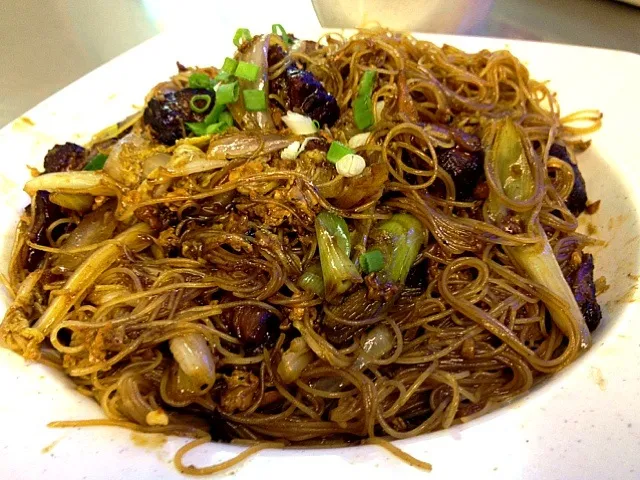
{"x":350,"y":165}
{"x":157,"y":417}
{"x":359,"y":140}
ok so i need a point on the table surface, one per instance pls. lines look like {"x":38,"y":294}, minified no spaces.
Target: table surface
{"x":47,"y":44}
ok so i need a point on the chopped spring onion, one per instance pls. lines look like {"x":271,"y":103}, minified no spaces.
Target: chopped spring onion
{"x":299,"y":124}
{"x":254,"y":100}
{"x":334,"y":244}
{"x":242,"y":35}
{"x":200,"y":80}
{"x":223,"y":77}
{"x":372,"y":261}
{"x":193,"y":103}
{"x":225,"y":120}
{"x":247,"y":71}
{"x":278,"y":29}
{"x":97,"y":162}
{"x":336,"y":151}
{"x":229,"y":65}
{"x":351,"y":165}
{"x":359,"y":140}
{"x":227,"y":93}
{"x":363,"y":114}
{"x":311,"y":280}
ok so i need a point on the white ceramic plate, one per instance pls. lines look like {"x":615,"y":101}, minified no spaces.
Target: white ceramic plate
{"x":584,"y":423}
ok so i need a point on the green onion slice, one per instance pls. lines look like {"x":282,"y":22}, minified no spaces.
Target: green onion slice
{"x":227,"y":93}
{"x":279,"y":30}
{"x":247,"y":71}
{"x":200,"y":80}
{"x":242,"y":35}
{"x":336,"y":151}
{"x":372,"y":261}
{"x":193,"y":103}
{"x":229,"y":65}
{"x":363,"y":114}
{"x":97,"y":162}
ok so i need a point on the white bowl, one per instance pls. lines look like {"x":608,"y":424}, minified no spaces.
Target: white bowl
{"x":583,"y":423}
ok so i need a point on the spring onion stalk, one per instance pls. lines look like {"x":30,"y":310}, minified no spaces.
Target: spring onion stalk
{"x":509,"y":172}
{"x":134,"y":238}
{"x":399,"y":239}
{"x":363,"y":114}
{"x":311,"y":280}
{"x":334,"y":243}
{"x":294,"y":360}
{"x":97,"y":162}
{"x":193,"y":354}
{"x":82,"y":182}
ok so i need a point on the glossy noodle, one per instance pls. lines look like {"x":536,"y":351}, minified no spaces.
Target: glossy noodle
{"x":326,"y":243}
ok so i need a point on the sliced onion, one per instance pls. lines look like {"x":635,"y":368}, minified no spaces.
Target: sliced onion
{"x":94,"y":228}
{"x":83,"y":182}
{"x":244,"y":145}
{"x":155,"y":161}
{"x":378,"y":342}
{"x":193,"y":354}
{"x":294,"y":360}
{"x":118,"y":166}
{"x":300,"y":124}
{"x":76,"y":202}
{"x":188,"y":159}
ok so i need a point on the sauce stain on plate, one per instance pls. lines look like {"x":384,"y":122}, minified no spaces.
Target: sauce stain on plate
{"x":51,"y":446}
{"x":149,"y":440}
{"x":596,"y":376}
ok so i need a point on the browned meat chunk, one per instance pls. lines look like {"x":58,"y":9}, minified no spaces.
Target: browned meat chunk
{"x":63,"y":158}
{"x":46,"y":212}
{"x":302,"y":92}
{"x":581,"y":282}
{"x":465,"y":167}
{"x":168,"y":114}
{"x":252,"y":325}
{"x":577,"y":199}
{"x":240,"y":392}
